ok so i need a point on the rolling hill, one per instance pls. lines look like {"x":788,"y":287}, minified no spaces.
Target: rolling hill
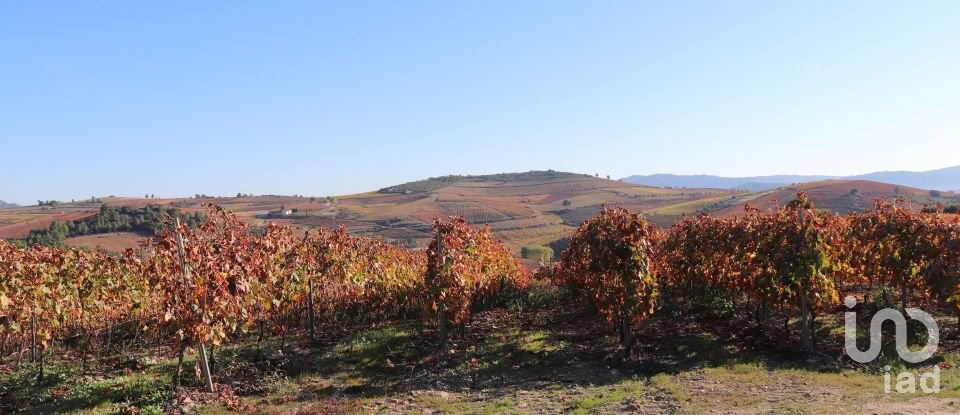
{"x":522,"y":208}
{"x":757,"y":183}
{"x":532,"y":208}
{"x":840,"y":196}
{"x":940,"y":179}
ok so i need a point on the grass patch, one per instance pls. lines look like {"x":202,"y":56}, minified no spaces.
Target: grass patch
{"x":67,"y":391}
{"x":595,"y":398}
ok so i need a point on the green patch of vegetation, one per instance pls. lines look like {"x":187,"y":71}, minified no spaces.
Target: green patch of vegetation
{"x":711,"y":301}
{"x":537,"y":252}
{"x":595,"y":398}
{"x":66,"y":391}
{"x":345,"y":213}
{"x":668,"y":385}
{"x":512,"y":368}
{"x":450,"y":404}
{"x":707,"y":351}
{"x":539,"y":295}
{"x":515,"y":349}
{"x":148,"y":220}
{"x":352,"y":366}
{"x":434,"y":183}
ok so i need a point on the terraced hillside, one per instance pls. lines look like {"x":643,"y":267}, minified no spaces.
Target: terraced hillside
{"x":533,"y":208}
{"x":17,"y":222}
{"x":841,"y":196}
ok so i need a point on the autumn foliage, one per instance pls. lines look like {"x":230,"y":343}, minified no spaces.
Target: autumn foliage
{"x":211,"y":283}
{"x":780,"y":257}
{"x":610,"y":259}
{"x":793,"y":258}
{"x":203,"y":294}
{"x":464,"y":265}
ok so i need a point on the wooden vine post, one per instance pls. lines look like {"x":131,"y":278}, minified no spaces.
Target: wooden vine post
{"x":805,"y":329}
{"x":313,"y":324}
{"x":202,"y":350}
{"x":33,"y":334}
{"x":442,"y":325}
{"x":310,"y":312}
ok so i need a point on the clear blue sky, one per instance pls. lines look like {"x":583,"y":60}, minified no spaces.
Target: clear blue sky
{"x":323,"y":98}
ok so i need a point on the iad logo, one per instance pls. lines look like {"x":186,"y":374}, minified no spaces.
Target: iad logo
{"x":906,"y":381}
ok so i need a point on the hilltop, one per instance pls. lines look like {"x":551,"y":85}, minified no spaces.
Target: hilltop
{"x":532,"y":208}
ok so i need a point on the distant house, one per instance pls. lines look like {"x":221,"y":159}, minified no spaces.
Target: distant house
{"x":273,"y":214}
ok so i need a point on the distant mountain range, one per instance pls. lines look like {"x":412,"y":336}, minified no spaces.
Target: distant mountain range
{"x":4,"y":205}
{"x":941,"y":179}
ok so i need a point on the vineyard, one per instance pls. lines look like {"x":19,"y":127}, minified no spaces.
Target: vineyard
{"x":217,"y":285}
{"x":795,"y":260}
{"x":473,"y":212}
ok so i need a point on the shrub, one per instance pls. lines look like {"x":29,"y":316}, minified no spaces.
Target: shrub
{"x":537,"y":252}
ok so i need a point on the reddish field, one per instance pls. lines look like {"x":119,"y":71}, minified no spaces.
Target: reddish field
{"x":135,"y":202}
{"x":115,"y":242}
{"x":839,"y":196}
{"x":558,"y":196}
{"x":384,"y":199}
{"x":427,"y":213}
{"x":19,"y":229}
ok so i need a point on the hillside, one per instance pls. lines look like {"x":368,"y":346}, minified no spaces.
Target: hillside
{"x":17,"y":223}
{"x":532,"y":208}
{"x":841,"y":196}
{"x":940,"y":179}
{"x":756,"y":183}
